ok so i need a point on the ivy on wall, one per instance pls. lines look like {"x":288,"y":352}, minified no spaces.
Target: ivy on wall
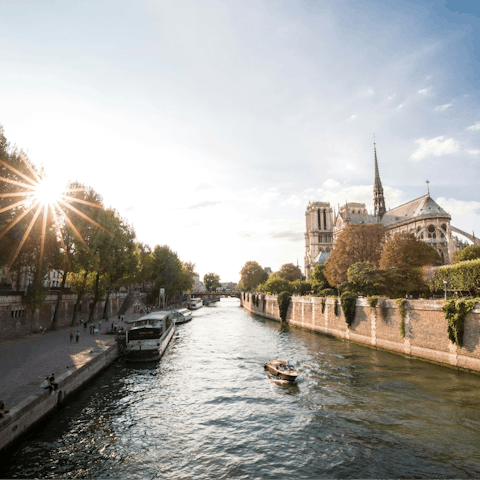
{"x":283,"y":304}
{"x":372,"y":301}
{"x":455,"y":313}
{"x":349,"y":302}
{"x":324,"y":302}
{"x":403,"y":312}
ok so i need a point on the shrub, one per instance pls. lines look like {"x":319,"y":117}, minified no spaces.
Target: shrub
{"x":326,"y":292}
{"x":349,"y":302}
{"x":455,"y":313}
{"x":283,"y":304}
{"x":324,"y":301}
{"x":335,"y":310}
{"x":461,"y":276}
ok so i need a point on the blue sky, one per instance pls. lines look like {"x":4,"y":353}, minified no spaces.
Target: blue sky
{"x":210,"y":125}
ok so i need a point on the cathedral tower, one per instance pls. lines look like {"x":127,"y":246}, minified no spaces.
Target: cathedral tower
{"x":379,"y":209}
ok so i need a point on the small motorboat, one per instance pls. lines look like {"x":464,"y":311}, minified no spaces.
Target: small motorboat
{"x":282,"y":370}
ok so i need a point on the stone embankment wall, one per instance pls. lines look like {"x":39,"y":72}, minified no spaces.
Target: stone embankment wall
{"x":425,"y":327}
{"x":15,"y":320}
{"x":31,"y":410}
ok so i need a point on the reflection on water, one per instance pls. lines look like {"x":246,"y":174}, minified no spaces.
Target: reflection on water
{"x":209,"y":410}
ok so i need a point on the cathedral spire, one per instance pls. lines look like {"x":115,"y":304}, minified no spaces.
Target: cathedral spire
{"x":378,"y":197}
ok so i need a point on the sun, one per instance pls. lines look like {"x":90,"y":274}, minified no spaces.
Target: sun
{"x":47,"y":191}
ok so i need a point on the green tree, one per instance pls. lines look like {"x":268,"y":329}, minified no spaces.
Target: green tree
{"x":469,"y":253}
{"x":275,"y":285}
{"x":356,"y":243}
{"x":290,"y":272}
{"x":252,"y":275}
{"x":318,"y":279}
{"x":212,"y":282}
{"x":301,"y":287}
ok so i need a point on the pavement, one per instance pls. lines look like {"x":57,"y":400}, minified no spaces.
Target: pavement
{"x":26,"y":361}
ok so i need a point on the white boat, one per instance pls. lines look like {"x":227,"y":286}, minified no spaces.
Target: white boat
{"x":149,"y":336}
{"x":185,"y":315}
{"x":195,"y":303}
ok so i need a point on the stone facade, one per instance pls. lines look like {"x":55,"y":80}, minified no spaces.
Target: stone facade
{"x":319,"y":235}
{"x":425,"y":327}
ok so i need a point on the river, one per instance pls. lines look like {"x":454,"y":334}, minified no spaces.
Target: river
{"x":209,"y":410}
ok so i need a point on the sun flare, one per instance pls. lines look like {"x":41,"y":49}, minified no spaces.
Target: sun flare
{"x":48,"y":192}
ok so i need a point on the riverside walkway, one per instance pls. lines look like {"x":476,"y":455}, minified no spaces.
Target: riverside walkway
{"x":26,"y":361}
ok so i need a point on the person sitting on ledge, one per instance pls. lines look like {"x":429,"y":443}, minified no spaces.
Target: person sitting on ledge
{"x":3,"y":408}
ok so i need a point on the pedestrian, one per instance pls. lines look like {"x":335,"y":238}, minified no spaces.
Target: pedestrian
{"x":99,"y":325}
{"x":84,"y":324}
{"x":77,"y":336}
{"x":3,"y":408}
{"x":71,"y":336}
{"x":52,"y":384}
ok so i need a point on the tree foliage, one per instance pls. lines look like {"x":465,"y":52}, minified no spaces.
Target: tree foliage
{"x":404,"y":251}
{"x":461,"y":276}
{"x":356,"y":243}
{"x":469,"y":253}
{"x":252,"y":275}
{"x":290,"y":272}
{"x":212,"y":282}
{"x":318,"y":279}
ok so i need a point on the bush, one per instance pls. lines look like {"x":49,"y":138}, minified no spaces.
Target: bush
{"x":283,"y":304}
{"x":455,"y":313}
{"x":461,"y":276}
{"x":324,"y":301}
{"x":349,"y":302}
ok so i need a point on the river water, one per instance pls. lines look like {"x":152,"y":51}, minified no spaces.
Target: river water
{"x":209,"y":410}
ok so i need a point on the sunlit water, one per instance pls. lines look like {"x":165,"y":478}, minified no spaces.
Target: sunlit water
{"x":208,"y":410}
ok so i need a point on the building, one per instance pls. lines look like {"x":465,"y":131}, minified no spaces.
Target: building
{"x":319,"y":234}
{"x":423,"y":217}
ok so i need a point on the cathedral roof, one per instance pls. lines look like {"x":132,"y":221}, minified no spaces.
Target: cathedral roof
{"x":420,"y":206}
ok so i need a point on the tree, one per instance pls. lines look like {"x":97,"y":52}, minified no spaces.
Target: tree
{"x":356,"y":243}
{"x":364,"y":279}
{"x":301,"y":287}
{"x":404,"y":250}
{"x":469,"y":253}
{"x":318,"y":279}
{"x":212,"y":282}
{"x":290,"y":272}
{"x":252,"y":275}
{"x":275,"y":285}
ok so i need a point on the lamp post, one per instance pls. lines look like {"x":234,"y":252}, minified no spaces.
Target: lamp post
{"x":445,"y":285}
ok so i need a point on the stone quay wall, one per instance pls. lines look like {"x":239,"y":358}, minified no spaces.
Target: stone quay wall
{"x":425,"y":327}
{"x":15,"y":320}
{"x":33,"y":409}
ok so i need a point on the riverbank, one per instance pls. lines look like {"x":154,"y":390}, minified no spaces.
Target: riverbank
{"x":27,"y":361}
{"x":424,"y":326}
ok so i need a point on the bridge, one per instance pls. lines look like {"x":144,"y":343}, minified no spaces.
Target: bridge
{"x":213,"y":295}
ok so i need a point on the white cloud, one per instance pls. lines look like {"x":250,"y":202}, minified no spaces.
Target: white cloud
{"x":425,"y":91}
{"x":330,"y":183}
{"x":473,"y":152}
{"x":437,"y":147}
{"x":391,"y":97}
{"x":401,"y":105}
{"x":442,"y":108}
{"x":474,"y":127}
{"x":352,"y":117}
{"x":459,"y":207}
{"x":369,"y":92}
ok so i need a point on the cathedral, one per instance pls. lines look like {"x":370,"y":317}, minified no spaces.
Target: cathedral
{"x":423,"y":217}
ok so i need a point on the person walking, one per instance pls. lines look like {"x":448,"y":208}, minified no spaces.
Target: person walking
{"x":71,"y":336}
{"x":99,"y":325}
{"x":77,"y":336}
{"x":84,"y":325}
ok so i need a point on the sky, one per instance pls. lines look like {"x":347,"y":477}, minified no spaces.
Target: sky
{"x":210,"y":125}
